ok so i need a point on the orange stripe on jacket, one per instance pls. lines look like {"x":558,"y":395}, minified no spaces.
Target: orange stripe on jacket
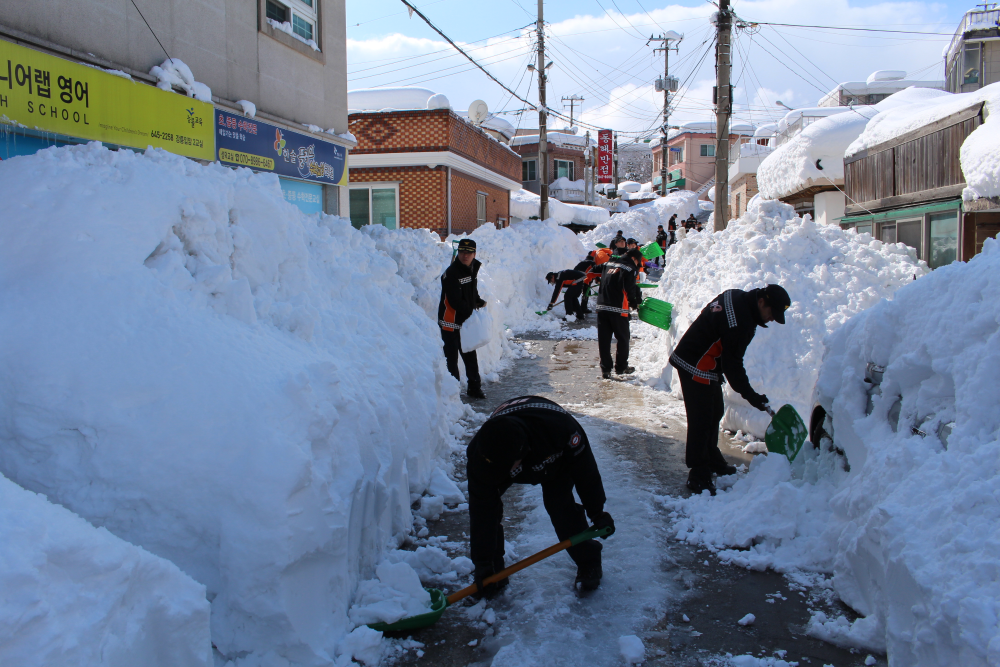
{"x":709,"y":361}
{"x":449,"y":314}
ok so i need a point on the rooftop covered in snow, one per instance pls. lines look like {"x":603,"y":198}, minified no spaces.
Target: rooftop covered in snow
{"x":881,"y":83}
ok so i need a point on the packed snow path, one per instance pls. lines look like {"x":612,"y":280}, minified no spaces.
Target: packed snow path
{"x":651,"y":582}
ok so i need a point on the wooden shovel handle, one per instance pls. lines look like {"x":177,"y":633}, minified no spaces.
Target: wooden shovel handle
{"x":588,"y":534}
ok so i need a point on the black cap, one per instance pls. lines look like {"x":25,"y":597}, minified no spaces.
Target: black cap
{"x":467,"y":245}
{"x":634,"y":253}
{"x":549,"y":276}
{"x":501,"y":441}
{"x":632,"y":241}
{"x":778,"y":299}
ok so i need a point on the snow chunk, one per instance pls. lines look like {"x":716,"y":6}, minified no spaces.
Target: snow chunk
{"x":632,"y":649}
{"x":438,"y":101}
{"x":75,"y":594}
{"x":442,"y":486}
{"x":313,"y":128}
{"x":363,"y":645}
{"x":829,"y":273}
{"x":249,"y":108}
{"x":864,"y":633}
{"x":396,"y":594}
{"x":173,"y":72}
{"x":525,"y":204}
{"x":747,"y":620}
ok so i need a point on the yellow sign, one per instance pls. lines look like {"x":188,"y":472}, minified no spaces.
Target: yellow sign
{"x":55,"y":95}
{"x":246,"y":159}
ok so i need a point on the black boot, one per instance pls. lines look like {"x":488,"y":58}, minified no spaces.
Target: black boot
{"x":588,"y":577}
{"x":475,"y":391}
{"x":724,"y":469}
{"x":701,"y":480}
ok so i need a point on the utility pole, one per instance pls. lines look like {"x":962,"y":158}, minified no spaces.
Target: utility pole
{"x":587,"y":170}
{"x":615,"y":154}
{"x":669,"y":86}
{"x":723,"y":109}
{"x":572,"y":99}
{"x":543,"y":148}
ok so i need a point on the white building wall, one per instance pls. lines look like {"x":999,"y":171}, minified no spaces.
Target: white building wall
{"x":829,"y":207}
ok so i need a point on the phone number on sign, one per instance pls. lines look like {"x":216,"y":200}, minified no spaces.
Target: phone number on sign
{"x":246,"y":159}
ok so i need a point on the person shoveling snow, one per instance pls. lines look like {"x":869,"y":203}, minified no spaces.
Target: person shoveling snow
{"x":711,"y":352}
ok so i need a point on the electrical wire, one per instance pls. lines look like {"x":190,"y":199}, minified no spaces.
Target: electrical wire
{"x":833,"y":27}
{"x":351,"y":76}
{"x":151,"y":31}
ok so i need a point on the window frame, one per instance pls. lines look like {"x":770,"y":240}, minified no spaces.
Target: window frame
{"x":304,"y":12}
{"x":706,"y":150}
{"x":373,"y":186}
{"x":481,"y":199}
{"x":966,"y":49}
{"x":529,"y":165}
{"x":572,"y":168}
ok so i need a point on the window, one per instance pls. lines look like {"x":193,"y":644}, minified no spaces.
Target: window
{"x":528,"y":168}
{"x":909,"y":232}
{"x":374,"y":204}
{"x":480,"y":208}
{"x":676,"y":155}
{"x":970,"y":63}
{"x":276,"y":12}
{"x":943,"y":239}
{"x":301,"y":14}
{"x":708,"y":150}
{"x":888,"y":232}
{"x":564,"y":169}
{"x":865,"y":228}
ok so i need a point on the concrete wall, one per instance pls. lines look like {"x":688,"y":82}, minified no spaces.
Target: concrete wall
{"x":227,"y":44}
{"x":829,"y":207}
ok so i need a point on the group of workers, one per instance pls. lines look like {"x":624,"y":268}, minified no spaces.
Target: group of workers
{"x":533,"y":440}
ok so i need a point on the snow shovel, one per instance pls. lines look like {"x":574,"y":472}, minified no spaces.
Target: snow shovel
{"x":600,"y":245}
{"x":440,"y":602}
{"x":655,"y":312}
{"x":786,"y":433}
{"x":546,"y":312}
{"x":648,"y":285}
{"x":652,"y":250}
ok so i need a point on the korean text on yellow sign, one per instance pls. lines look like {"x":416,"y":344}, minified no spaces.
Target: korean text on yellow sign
{"x":55,"y":95}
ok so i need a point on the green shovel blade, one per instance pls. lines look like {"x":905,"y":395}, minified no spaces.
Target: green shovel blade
{"x":786,"y":433}
{"x":438,"y":604}
{"x":652,"y":250}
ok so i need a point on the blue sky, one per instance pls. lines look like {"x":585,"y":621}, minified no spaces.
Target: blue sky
{"x":599,"y":50}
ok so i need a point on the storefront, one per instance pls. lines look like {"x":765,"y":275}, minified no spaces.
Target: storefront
{"x":933,"y":231}
{"x":310,"y":170}
{"x":48,"y":101}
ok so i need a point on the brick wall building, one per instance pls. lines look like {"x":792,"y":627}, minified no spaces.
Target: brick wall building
{"x":428,"y":169}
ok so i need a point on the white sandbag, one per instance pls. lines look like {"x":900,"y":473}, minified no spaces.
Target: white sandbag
{"x":476,"y":330}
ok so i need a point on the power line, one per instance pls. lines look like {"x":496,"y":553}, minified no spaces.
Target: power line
{"x":351,"y":76}
{"x":833,"y":27}
{"x":151,"y":31}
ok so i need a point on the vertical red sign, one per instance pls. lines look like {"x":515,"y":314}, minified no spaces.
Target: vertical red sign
{"x":605,"y":156}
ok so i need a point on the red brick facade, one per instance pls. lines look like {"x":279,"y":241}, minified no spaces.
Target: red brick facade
{"x":423,"y":191}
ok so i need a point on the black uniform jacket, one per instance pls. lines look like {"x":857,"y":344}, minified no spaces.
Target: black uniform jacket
{"x":568,"y":279}
{"x":459,"y":294}
{"x":556,"y":445}
{"x":714,"y":344}
{"x":619,"y":287}
{"x":661,"y":239}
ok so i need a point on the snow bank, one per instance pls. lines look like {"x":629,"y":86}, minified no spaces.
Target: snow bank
{"x":207,"y":372}
{"x":525,"y":204}
{"x":830,"y":274}
{"x":910,"y":531}
{"x":173,"y":72}
{"x":815,"y":156}
{"x":640,"y":221}
{"x":77,"y":595}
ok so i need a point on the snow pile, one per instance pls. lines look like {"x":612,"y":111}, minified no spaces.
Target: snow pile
{"x":173,"y":72}
{"x":525,"y":205}
{"x":632,"y":649}
{"x":211,"y":374}
{"x":830,"y":274}
{"x":438,"y":101}
{"x":77,"y":595}
{"x":813,"y":157}
{"x":640,"y":221}
{"x":248,"y":107}
{"x":396,"y":594}
{"x":286,"y":27}
{"x":910,"y":531}
{"x":629,"y":186}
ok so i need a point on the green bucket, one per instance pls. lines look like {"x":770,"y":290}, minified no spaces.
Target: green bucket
{"x":652,"y":250}
{"x":655,"y":312}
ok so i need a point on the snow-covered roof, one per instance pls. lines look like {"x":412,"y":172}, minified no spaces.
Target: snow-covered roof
{"x":766,"y":130}
{"x":974,"y":19}
{"x":707,"y":127}
{"x":558,"y":138}
{"x":406,"y":97}
{"x":814,"y":156}
{"x":492,"y":122}
{"x":878,"y":82}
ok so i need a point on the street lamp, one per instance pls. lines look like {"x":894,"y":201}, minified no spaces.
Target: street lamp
{"x":782,"y":104}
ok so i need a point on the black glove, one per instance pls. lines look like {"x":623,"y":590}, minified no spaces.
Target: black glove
{"x":759,"y":402}
{"x":480,"y":303}
{"x":604,"y":520}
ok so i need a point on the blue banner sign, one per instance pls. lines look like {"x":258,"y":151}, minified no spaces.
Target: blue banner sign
{"x":248,"y":142}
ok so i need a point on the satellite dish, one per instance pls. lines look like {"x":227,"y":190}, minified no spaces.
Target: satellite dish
{"x":478,"y":111}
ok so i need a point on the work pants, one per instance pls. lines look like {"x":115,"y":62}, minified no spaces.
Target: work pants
{"x":486,"y":515}
{"x":571,"y":301}
{"x":584,"y":299}
{"x":609,"y":324}
{"x":705,"y":408}
{"x":452,"y":348}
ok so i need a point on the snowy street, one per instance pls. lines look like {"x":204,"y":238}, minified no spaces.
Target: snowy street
{"x":651,"y":581}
